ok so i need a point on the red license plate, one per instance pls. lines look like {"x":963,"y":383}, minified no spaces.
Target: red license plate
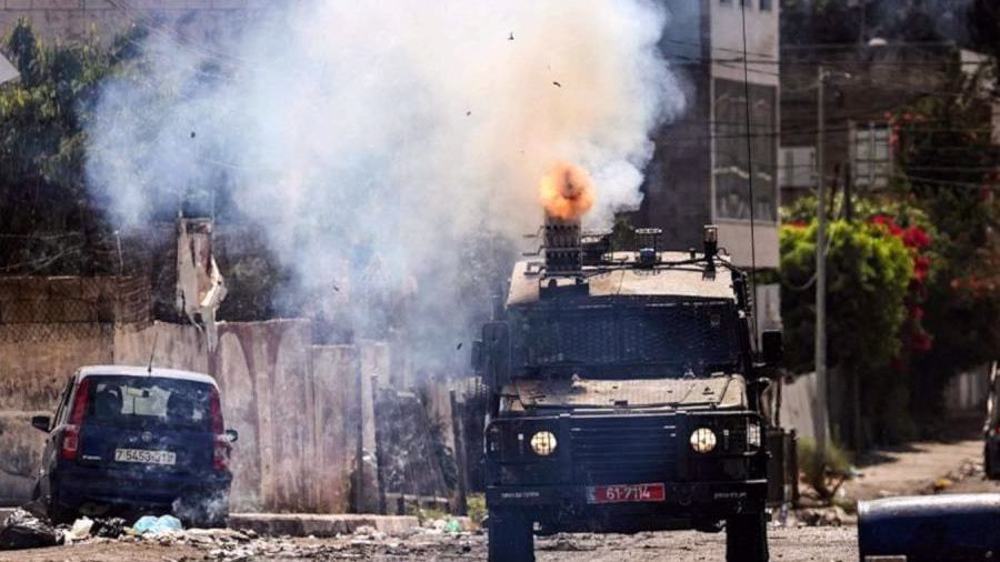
{"x":622,"y":493}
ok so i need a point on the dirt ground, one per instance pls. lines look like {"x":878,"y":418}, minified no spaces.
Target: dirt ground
{"x":787,"y":545}
{"x":921,"y":468}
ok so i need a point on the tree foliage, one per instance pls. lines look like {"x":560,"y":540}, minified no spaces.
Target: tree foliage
{"x":951,"y":171}
{"x":970,"y":23}
{"x":869,"y":271}
{"x":49,"y":221}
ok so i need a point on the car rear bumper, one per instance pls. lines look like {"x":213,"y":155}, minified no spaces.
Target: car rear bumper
{"x":686,"y":505}
{"x":75,"y":486}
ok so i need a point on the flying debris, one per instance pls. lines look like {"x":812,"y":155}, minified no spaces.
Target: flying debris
{"x":459,"y":346}
{"x":511,"y":36}
{"x":556,"y":84}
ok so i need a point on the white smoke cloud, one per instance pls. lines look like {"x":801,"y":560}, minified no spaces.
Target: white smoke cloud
{"x":391,"y":129}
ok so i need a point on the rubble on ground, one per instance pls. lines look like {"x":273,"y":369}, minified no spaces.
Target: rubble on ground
{"x":827,"y":516}
{"x":968,"y":469}
{"x":25,"y":530}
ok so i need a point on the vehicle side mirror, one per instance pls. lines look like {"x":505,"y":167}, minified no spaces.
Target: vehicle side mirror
{"x":476,"y":359}
{"x":772,"y":347}
{"x":43,"y":423}
{"x":232,"y":435}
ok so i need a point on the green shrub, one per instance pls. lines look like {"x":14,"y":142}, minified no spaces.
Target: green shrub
{"x":823,"y":475}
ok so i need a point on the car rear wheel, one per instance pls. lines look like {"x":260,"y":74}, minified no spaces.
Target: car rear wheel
{"x":58,"y":513}
{"x":746,"y":538}
{"x":988,"y":465}
{"x":510,"y":536}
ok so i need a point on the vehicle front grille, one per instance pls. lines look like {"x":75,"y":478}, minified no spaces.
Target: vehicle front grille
{"x":623,"y":450}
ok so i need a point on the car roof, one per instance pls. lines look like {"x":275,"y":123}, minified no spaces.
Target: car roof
{"x":130,"y":371}
{"x":686,"y":282}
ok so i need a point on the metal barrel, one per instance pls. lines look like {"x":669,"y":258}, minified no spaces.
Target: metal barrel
{"x":930,"y":528}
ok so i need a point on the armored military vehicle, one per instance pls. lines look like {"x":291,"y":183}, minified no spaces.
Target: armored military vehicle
{"x":624,"y":391}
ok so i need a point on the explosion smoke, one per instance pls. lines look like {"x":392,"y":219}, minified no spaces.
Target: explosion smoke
{"x":567,"y":192}
{"x":374,"y":144}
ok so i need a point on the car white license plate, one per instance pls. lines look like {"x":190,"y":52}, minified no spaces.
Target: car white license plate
{"x":146,"y":456}
{"x":622,"y":493}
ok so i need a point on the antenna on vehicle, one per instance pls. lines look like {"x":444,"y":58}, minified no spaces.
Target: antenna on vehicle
{"x":152,"y":353}
{"x":749,"y":136}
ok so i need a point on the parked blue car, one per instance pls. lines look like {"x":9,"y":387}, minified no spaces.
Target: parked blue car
{"x":137,"y":440}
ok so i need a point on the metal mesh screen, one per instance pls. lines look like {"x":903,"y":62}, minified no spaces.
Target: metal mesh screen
{"x":683,"y":335}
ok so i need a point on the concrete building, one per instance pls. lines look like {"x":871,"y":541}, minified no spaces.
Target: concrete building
{"x":702,"y":167}
{"x":864,"y":85}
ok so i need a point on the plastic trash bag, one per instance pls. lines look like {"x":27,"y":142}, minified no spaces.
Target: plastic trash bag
{"x":111,"y":527}
{"x":80,"y":530}
{"x":153,"y":524}
{"x":24,"y":530}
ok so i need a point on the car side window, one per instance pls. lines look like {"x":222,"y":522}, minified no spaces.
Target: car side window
{"x":57,"y":420}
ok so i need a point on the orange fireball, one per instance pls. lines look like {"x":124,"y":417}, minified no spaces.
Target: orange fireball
{"x":566,"y":191}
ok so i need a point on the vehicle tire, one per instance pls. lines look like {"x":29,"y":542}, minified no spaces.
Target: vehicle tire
{"x":58,"y":513}
{"x":988,"y":466}
{"x":510,"y":536}
{"x":746,"y":538}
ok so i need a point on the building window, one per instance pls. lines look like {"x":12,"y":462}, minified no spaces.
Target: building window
{"x":733,"y":168}
{"x":871,"y":156}
{"x":765,"y":5}
{"x":798,"y":167}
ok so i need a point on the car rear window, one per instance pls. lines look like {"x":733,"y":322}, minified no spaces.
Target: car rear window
{"x":148,"y":402}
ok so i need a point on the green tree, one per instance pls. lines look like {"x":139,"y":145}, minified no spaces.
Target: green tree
{"x":869,"y":272}
{"x":950,"y":171}
{"x":50,"y":223}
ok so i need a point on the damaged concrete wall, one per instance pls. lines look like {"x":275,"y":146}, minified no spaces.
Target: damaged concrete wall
{"x":336,"y":380}
{"x":264,"y":370}
{"x":305,"y":413}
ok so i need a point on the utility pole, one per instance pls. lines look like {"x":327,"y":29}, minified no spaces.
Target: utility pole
{"x":821,"y":416}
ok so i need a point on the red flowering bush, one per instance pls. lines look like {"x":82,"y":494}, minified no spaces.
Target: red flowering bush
{"x":918,"y":241}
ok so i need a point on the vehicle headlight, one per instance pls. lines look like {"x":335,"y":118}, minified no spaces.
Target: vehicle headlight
{"x":543,"y":443}
{"x":703,"y":440}
{"x":753,"y":435}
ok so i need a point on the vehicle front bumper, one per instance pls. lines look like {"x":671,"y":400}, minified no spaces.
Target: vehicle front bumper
{"x":686,"y":505}
{"x":76,"y":486}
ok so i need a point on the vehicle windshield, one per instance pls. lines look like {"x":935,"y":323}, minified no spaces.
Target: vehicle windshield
{"x":650,"y":341}
{"x":149,"y":402}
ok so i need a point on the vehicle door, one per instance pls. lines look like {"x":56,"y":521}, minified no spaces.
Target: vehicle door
{"x":51,"y":450}
{"x":150,"y":425}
